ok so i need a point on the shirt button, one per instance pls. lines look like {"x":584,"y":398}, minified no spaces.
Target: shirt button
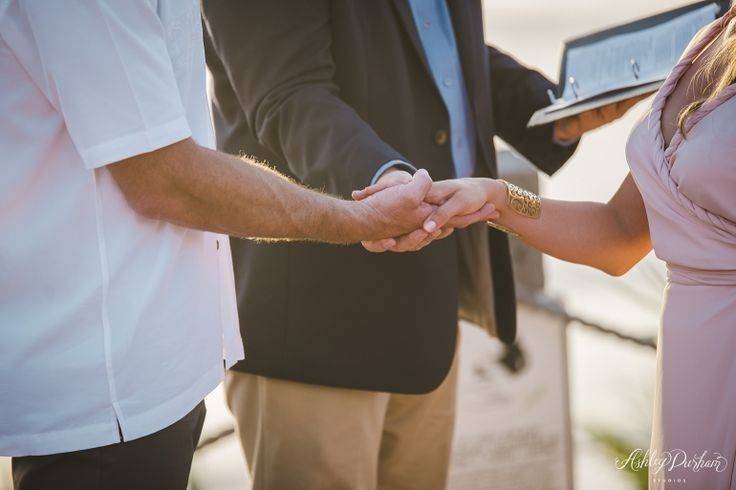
{"x":448,"y":82}
{"x":427,"y":24}
{"x":440,"y":137}
{"x":217,"y":244}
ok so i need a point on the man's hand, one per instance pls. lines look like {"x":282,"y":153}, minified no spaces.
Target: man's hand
{"x":573,"y":127}
{"x":467,"y":207}
{"x":412,"y":241}
{"x":389,"y":178}
{"x":394,"y":206}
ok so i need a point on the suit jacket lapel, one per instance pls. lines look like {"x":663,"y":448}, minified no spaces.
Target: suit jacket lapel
{"x":404,"y":12}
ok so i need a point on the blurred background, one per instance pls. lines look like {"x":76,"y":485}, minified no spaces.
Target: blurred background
{"x":610,"y":380}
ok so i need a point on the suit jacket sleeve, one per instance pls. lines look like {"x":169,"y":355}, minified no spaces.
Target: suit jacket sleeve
{"x":277,"y":55}
{"x":517,"y":93}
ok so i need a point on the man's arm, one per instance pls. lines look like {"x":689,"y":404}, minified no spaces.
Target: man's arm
{"x":129,"y":119}
{"x":195,"y":187}
{"x":278,"y":58}
{"x":517,"y":92}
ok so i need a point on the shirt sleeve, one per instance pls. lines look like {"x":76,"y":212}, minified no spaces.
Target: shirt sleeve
{"x":399,"y":164}
{"x":105,"y":66}
{"x":565,"y":143}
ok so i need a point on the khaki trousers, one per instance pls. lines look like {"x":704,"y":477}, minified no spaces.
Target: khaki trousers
{"x":299,"y":436}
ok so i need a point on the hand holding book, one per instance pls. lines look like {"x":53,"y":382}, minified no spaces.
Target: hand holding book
{"x":572,"y":128}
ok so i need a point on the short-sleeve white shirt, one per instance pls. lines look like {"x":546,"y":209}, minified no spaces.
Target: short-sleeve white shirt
{"x":110,"y":323}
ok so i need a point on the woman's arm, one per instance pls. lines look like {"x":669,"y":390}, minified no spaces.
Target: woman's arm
{"x":612,"y":236}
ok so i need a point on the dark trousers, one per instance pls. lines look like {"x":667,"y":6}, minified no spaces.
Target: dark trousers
{"x":159,"y":461}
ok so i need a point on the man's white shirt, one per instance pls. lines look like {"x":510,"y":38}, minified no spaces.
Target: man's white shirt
{"x":110,"y":323}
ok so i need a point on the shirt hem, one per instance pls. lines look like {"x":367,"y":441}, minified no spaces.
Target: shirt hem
{"x":98,"y":435}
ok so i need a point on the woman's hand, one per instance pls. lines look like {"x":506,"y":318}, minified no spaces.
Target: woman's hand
{"x":462,"y":202}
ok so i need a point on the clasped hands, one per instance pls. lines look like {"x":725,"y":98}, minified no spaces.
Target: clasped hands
{"x":434,"y":210}
{"x":446,"y":205}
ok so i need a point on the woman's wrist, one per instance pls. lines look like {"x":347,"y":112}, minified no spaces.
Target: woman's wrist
{"x":495,"y":193}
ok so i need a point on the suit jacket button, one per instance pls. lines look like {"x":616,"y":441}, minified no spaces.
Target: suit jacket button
{"x":440,"y":137}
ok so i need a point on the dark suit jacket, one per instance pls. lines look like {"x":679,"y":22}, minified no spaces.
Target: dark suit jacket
{"x":327,"y":91}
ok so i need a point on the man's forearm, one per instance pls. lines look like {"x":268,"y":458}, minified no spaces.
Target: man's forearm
{"x":247,"y":199}
{"x":203,"y":189}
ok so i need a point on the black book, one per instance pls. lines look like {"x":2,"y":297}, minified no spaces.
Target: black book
{"x":625,"y":61}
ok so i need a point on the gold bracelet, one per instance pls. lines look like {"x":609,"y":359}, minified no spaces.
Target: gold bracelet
{"x":502,"y":228}
{"x":522,"y":201}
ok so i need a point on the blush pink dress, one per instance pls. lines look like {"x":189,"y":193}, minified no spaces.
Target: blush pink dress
{"x":689,"y":192}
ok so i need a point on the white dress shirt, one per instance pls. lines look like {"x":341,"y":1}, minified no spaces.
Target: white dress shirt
{"x":110,"y":323}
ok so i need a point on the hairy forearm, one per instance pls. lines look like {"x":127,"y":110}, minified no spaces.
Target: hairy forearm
{"x":246,"y":199}
{"x":203,"y":189}
{"x":610,"y":236}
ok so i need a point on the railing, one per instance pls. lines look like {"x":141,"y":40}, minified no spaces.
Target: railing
{"x":544,"y":303}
